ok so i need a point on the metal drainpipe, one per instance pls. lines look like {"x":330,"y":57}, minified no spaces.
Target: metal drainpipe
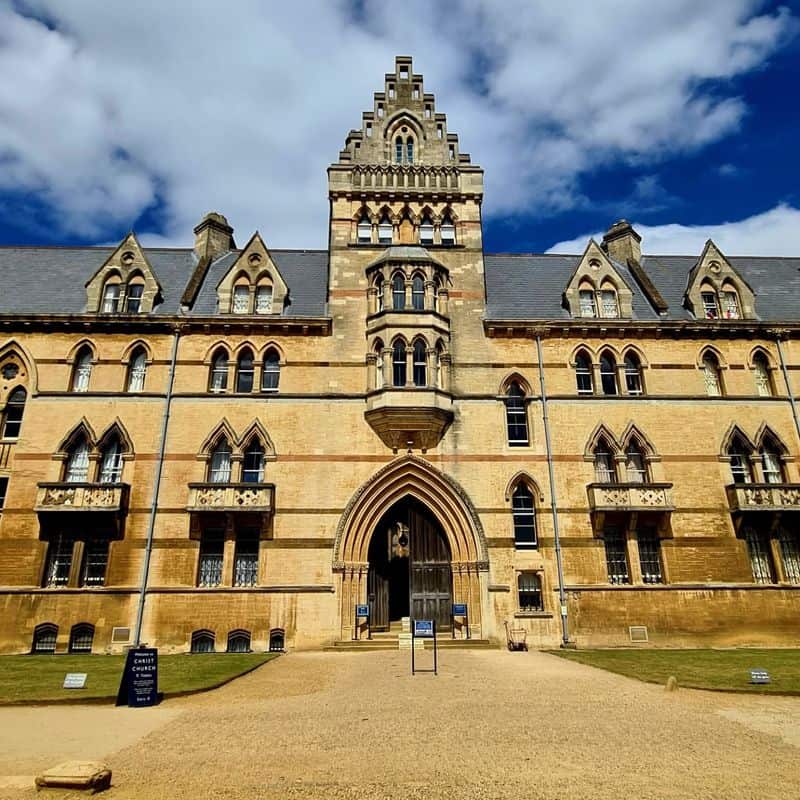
{"x":562,"y":597}
{"x":156,"y":487}
{"x":788,"y":385}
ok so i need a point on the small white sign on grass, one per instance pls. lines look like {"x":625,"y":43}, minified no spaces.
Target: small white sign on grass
{"x":75,"y":680}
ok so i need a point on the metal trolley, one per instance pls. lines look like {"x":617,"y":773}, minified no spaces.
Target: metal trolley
{"x":516,"y":638}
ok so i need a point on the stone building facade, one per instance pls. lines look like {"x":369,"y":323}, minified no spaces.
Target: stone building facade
{"x":598,"y":446}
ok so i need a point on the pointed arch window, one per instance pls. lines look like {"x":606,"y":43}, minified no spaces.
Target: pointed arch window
{"x":710,"y":305}
{"x":219,"y":372}
{"x":409,"y":150}
{"x":771,"y":464}
{"x":420,"y":364}
{"x":418,"y":293}
{"x":604,"y":464}
{"x":426,"y":230}
{"x":587,"y":302}
{"x":398,"y":292}
{"x":111,"y":461}
{"x":712,"y":375}
{"x":15,"y":408}
{"x":583,"y":373}
{"x":399,"y":368}
{"x":635,"y":464}
{"x":608,"y":374}
{"x":82,"y":373}
{"x":133,"y":299}
{"x":219,"y":466}
{"x":245,"y":371}
{"x":762,"y":375}
{"x":741,"y":469}
{"x":364,"y":229}
{"x":385,"y":229}
{"x":516,"y":416}
{"x":110,"y":297}
{"x":77,"y":468}
{"x":240,"y":303}
{"x":730,"y":303}
{"x":633,"y":375}
{"x":271,"y":371}
{"x":524,"y":514}
{"x":608,"y":303}
{"x":398,"y":150}
{"x":448,"y":231}
{"x":81,"y":638}
{"x":137,"y":371}
{"x":253,"y":463}
{"x":264,"y":299}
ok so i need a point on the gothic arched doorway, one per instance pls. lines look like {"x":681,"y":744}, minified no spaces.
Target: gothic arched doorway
{"x":410,"y":571}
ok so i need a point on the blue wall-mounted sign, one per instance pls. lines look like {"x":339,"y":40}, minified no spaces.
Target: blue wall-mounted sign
{"x":362,"y":611}
{"x":423,"y":628}
{"x":459,"y":609}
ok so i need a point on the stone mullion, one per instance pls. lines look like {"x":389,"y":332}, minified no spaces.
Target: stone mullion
{"x":74,"y":578}
{"x":429,"y":304}
{"x":632,"y":548}
{"x":431,"y":367}
{"x":228,"y":550}
{"x":409,"y":365}
{"x":777,"y":558}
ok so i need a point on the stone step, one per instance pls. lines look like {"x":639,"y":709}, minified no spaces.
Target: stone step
{"x":389,"y":643}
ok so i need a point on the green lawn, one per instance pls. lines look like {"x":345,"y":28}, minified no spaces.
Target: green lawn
{"x":26,"y":679}
{"x":699,"y":669}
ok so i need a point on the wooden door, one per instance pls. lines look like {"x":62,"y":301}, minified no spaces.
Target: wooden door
{"x":431,"y":576}
{"x":378,"y":596}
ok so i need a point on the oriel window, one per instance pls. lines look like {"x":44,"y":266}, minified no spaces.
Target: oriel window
{"x":399,"y":363}
{"x":418,"y":293}
{"x":420,"y":363}
{"x":398,"y":292}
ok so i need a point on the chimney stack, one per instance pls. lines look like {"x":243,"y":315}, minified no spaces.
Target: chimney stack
{"x":213,"y":237}
{"x":622,"y":243}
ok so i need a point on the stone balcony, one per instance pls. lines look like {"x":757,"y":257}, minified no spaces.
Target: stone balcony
{"x":746,"y":497}
{"x":227,"y":497}
{"x":409,"y":417}
{"x":628,"y":498}
{"x":91,"y":497}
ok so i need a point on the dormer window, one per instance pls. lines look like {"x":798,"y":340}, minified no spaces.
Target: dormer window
{"x":241,"y":299}
{"x":133,"y":299}
{"x":587,"y":303}
{"x":608,"y":303}
{"x":730,"y":304}
{"x":110,"y":298}
{"x":264,"y":299}
{"x":710,"y":307}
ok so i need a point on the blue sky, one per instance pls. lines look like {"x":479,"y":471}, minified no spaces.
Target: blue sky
{"x":680,"y":116}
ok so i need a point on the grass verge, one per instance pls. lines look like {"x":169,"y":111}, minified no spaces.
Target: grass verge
{"x":37,"y":679}
{"x":727,"y":670}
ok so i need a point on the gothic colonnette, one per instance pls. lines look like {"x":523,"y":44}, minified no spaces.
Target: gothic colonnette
{"x":279,"y":435}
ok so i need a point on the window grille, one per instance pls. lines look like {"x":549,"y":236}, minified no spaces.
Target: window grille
{"x":253,"y":464}
{"x":771,"y":466}
{"x":15,"y":408}
{"x":790,"y":553}
{"x":264,"y":300}
{"x":59,"y":561}
{"x":44,"y":639}
{"x":587,"y":304}
{"x":760,"y":558}
{"x":138,"y":372}
{"x":133,"y":302}
{"x":763,"y":382}
{"x":364,"y":230}
{"x":220,"y":467}
{"x":271,"y":372}
{"x":81,"y":638}
{"x":110,"y":298}
{"x":78,"y":463}
{"x":95,"y":562}
{"x":83,"y":372}
{"x":385,"y":230}
{"x":516,"y":417}
{"x":650,"y":556}
{"x":399,"y":364}
{"x":420,"y":365}
{"x":202,"y":642}
{"x":730,"y":305}
{"x":277,"y":640}
{"x":711,"y":376}
{"x":418,"y":293}
{"x":245,"y":372}
{"x":398,"y":292}
{"x":608,"y":375}
{"x":3,"y":491}
{"x":241,"y":299}
{"x":633,"y":376}
{"x":522,"y":509}
{"x":448,"y":231}
{"x":245,"y":560}
{"x":616,"y":557}
{"x":635,"y":466}
{"x":426,"y":231}
{"x":111,"y":465}
{"x":710,"y":308}
{"x":209,"y":571}
{"x":604,"y":471}
{"x":219,"y":373}
{"x":583,"y":375}
{"x":238,"y":642}
{"x":529,"y":590}
{"x":608,"y":301}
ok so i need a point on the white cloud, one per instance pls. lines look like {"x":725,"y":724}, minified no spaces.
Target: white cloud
{"x":112,"y":107}
{"x":773,"y":233}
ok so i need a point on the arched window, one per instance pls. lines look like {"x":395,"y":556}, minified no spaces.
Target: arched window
{"x":762,"y":375}
{"x":277,"y":640}
{"x":245,"y":371}
{"x":81,"y":637}
{"x":271,"y":371}
{"x":364,"y":228}
{"x":264,"y":298}
{"x":239,"y":642}
{"x":439,"y":377}
{"x":604,"y":466}
{"x":583,"y":373}
{"x":133,"y":298}
{"x":712,"y":375}
{"x":448,"y":231}
{"x":385,"y":229}
{"x":741,"y":468}
{"x":437,"y":288}
{"x":137,"y":370}
{"x":420,"y":363}
{"x":529,"y":591}
{"x":240,"y":303}
{"x":253,"y":464}
{"x":609,"y":307}
{"x":202,"y":642}
{"x":771,"y":464}
{"x":398,"y":150}
{"x":635,"y":464}
{"x":608,"y":374}
{"x":219,"y":466}
{"x":399,"y":363}
{"x":219,"y":372}
{"x":516,"y":416}
{"x":730,"y":302}
{"x":587,"y":301}
{"x":110,"y":296}
{"x":82,"y":373}
{"x":409,"y":150}
{"x":77,"y":467}
{"x":378,"y":293}
{"x":426,"y":230}
{"x":15,"y":408}
{"x":44,"y":638}
{"x":379,"y":376}
{"x":522,"y":509}
{"x":111,"y":461}
{"x":633,"y":375}
{"x":708,"y":296}
{"x":418,"y":293}
{"x":398,"y":292}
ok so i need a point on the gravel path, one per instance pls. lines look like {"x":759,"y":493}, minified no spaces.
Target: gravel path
{"x":491,"y":725}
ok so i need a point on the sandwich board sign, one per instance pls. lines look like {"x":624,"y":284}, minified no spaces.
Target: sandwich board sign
{"x":139,"y":685}
{"x":423,"y":629}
